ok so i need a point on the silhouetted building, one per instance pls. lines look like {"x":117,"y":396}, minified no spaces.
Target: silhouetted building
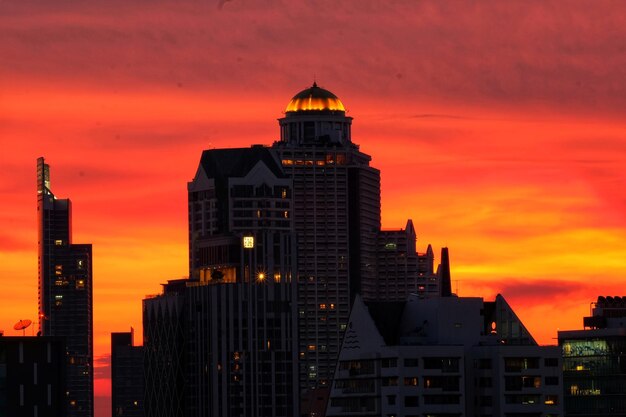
{"x":127,"y":376}
{"x":65,"y":292}
{"x":401,"y":271}
{"x":291,"y":232}
{"x":32,"y":376}
{"x":223,"y":343}
{"x":336,"y":196}
{"x":443,"y":356}
{"x":594,"y":361}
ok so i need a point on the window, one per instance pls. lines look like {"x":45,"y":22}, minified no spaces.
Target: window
{"x":410,"y":381}
{"x":552,"y":380}
{"x":390,"y":382}
{"x":411,"y":401}
{"x":445,"y":364}
{"x":551,"y":362}
{"x":389,"y":362}
{"x":391,"y":399}
{"x":551,"y":400}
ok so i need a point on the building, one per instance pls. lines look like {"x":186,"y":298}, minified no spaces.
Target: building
{"x":444,"y":356}
{"x":127,"y":376}
{"x":32,"y":376}
{"x":594,"y":361}
{"x":400,"y":269}
{"x":291,"y":232}
{"x":65,"y":292}
{"x":336,"y":214}
{"x":224,"y":341}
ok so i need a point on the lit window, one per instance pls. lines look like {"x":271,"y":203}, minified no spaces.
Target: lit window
{"x":312,"y":348}
{"x":322,"y":306}
{"x":332,"y":306}
{"x":283,"y":193}
{"x":286,"y":214}
{"x":248,"y":242}
{"x":58,"y":242}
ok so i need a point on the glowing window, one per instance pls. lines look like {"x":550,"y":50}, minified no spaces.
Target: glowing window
{"x":58,"y":242}
{"x":248,"y":242}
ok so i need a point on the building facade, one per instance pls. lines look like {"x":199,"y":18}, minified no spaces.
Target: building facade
{"x":444,"y":356}
{"x":65,"y":292}
{"x":224,"y":342}
{"x":32,"y":376}
{"x":594,"y":361}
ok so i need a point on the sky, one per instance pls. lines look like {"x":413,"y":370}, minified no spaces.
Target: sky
{"x":498,"y":128}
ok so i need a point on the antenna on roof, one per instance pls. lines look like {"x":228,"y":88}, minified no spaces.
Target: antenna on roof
{"x":22,"y":325}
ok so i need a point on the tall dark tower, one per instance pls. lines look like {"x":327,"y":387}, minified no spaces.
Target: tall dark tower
{"x":65,"y":292}
{"x":336,"y":198}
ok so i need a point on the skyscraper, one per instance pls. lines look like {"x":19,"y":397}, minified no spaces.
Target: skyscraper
{"x":65,"y":292}
{"x":223,"y":343}
{"x":341,"y":249}
{"x":336,"y":198}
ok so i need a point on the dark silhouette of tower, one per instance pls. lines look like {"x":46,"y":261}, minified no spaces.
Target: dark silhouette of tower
{"x":336,"y":217}
{"x":65,"y":292}
{"x":444,"y":271}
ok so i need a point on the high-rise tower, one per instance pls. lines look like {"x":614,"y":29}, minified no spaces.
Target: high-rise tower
{"x":336,"y":196}
{"x":65,"y":292}
{"x":223,"y":342}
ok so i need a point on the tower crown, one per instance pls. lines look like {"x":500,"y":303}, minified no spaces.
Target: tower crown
{"x":315,"y":99}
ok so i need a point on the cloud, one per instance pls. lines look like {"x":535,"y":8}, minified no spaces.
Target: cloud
{"x":102,"y":366}
{"x":514,"y":53}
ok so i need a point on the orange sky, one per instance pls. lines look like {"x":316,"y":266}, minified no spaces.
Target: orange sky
{"x":499,"y":129}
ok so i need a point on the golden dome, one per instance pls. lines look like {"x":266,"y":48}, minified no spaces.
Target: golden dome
{"x":315,"y":99}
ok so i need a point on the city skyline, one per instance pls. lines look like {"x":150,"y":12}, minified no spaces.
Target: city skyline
{"x":509,"y":153}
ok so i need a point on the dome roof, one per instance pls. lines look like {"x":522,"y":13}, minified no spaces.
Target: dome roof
{"x":315,"y":99}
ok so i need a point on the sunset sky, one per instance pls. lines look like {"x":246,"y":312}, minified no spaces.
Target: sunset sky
{"x":498,"y":127}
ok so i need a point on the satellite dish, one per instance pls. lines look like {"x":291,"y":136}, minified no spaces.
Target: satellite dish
{"x":22,"y":325}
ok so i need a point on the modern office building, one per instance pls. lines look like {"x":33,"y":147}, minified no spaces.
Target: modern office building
{"x":594,"y":361}
{"x":65,"y":292}
{"x":224,"y":342}
{"x":32,"y":376}
{"x":127,"y":376}
{"x":336,"y":214}
{"x":443,"y":356}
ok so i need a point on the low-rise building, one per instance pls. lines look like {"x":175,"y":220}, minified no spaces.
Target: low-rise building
{"x":443,"y":356}
{"x":594,"y":361}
